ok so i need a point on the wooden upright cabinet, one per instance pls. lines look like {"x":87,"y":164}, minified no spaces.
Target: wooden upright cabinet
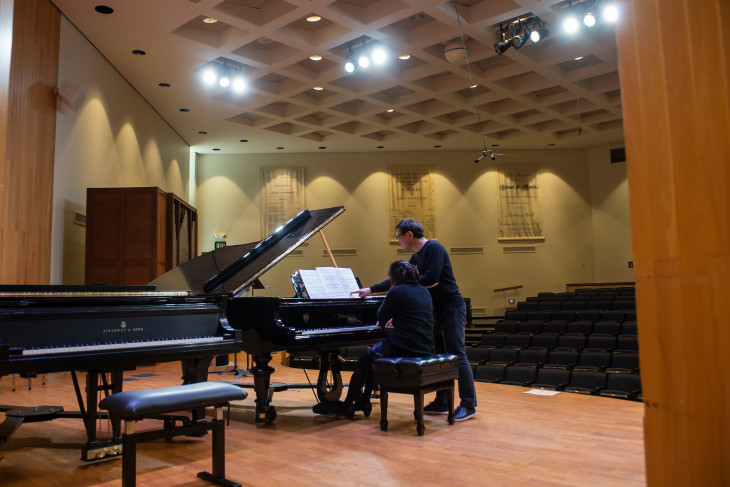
{"x":135,"y":234}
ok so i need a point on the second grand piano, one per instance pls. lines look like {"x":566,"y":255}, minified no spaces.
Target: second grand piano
{"x":271,"y":324}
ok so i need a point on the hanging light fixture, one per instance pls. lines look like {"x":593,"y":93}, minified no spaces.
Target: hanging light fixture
{"x":515,"y":33}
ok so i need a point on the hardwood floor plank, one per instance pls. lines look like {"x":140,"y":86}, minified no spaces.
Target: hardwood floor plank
{"x":515,"y":439}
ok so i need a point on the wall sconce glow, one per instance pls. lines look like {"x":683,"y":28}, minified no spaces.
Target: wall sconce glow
{"x":225,"y":81}
{"x":315,"y":57}
{"x":239,"y":84}
{"x":209,"y":76}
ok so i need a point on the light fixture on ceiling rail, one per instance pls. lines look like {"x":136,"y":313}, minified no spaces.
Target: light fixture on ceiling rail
{"x":473,"y":86}
{"x":589,"y":13}
{"x":515,"y":33}
{"x":225,"y":75}
{"x":369,"y":53}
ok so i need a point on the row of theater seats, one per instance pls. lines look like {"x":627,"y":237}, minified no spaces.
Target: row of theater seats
{"x":574,"y":341}
{"x":559,"y":358}
{"x":621,"y":298}
{"x":610,"y":383}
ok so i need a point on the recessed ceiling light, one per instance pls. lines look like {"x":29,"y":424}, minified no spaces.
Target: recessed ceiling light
{"x":380,"y":147}
{"x":103,"y":9}
{"x":243,"y":140}
{"x":323,"y":147}
{"x":437,"y":146}
{"x":551,"y":145}
{"x":138,"y":52}
{"x":495,"y":145}
{"x":184,"y":110}
{"x":315,"y":57}
{"x":279,"y":148}
{"x":577,"y":58}
{"x":314,"y":18}
{"x":202,"y":132}
{"x":473,"y":86}
{"x":404,"y":57}
{"x":210,"y":20}
{"x":164,"y":85}
{"x":390,"y":110}
{"x":318,"y":88}
{"x":216,"y":148}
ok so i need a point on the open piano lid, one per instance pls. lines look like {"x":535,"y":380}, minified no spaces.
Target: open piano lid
{"x":232,"y":270}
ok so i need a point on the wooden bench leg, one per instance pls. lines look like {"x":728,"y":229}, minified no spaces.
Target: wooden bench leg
{"x":383,"y":409}
{"x":451,"y":403}
{"x":129,"y":456}
{"x":418,"y":400}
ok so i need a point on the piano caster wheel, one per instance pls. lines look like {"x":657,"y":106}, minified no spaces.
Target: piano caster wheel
{"x":271,"y":416}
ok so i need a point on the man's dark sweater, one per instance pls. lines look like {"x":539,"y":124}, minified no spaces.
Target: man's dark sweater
{"x":434,"y":266}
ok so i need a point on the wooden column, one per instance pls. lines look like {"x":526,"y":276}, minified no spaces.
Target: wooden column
{"x":28,"y":77}
{"x":674,"y":60}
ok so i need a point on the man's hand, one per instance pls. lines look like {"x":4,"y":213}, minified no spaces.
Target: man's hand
{"x":363,"y":292}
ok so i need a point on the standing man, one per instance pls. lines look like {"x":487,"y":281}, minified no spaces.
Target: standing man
{"x":449,"y":309}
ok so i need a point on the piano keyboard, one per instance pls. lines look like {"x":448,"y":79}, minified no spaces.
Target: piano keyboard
{"x":123,"y":345}
{"x":326,"y":331}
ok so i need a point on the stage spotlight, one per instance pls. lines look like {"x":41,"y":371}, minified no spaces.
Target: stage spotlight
{"x":502,"y":46}
{"x":518,"y":41}
{"x":238,"y":84}
{"x":225,"y":81}
{"x":379,"y":55}
{"x":610,"y":13}
{"x":363,"y":61}
{"x":589,"y":20}
{"x":570,"y":24}
{"x":209,"y":76}
{"x":349,"y":67}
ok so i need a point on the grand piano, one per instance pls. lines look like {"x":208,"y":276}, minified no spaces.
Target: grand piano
{"x":107,"y":330}
{"x":272,"y":324}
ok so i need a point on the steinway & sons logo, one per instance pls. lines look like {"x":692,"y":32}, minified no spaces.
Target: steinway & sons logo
{"x":123,"y":328}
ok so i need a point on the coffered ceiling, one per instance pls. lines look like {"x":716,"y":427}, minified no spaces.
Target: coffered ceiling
{"x":563,"y":90}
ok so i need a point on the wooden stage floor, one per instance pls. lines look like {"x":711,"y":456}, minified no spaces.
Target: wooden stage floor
{"x":516,"y":439}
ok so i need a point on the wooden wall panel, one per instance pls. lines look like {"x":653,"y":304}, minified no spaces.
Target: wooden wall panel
{"x":28,"y":131}
{"x":674,"y":59}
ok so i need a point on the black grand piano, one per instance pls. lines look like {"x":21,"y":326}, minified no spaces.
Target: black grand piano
{"x":270,"y":324}
{"x":106,"y":330}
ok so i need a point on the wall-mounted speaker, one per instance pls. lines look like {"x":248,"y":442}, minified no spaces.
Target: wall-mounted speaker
{"x":72,"y":95}
{"x":618,"y":155}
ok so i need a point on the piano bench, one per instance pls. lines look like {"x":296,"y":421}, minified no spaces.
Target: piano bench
{"x":417,"y":376}
{"x":131,"y":406}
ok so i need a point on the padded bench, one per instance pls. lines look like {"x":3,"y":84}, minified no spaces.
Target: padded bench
{"x":417,"y":376}
{"x":131,"y":406}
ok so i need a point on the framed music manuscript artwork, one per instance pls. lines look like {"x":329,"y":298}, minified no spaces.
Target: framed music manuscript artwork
{"x":412,"y":195}
{"x":282,"y":196}
{"x":520,"y":210}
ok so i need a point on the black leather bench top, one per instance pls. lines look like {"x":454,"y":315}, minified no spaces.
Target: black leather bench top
{"x":139,"y":404}
{"x":415,"y":371}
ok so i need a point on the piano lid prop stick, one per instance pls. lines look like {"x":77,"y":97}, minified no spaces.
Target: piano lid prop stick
{"x":327,"y":248}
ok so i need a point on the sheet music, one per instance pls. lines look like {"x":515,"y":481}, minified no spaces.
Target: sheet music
{"x":329,"y":282}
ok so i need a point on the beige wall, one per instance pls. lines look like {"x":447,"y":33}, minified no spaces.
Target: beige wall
{"x":611,"y":218}
{"x":115,"y":139}
{"x":466,"y":212}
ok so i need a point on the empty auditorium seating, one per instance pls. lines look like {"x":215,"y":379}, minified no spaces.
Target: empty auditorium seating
{"x":520,"y":375}
{"x":489,"y":372}
{"x":586,"y":381}
{"x":552,"y":379}
{"x":622,"y":385}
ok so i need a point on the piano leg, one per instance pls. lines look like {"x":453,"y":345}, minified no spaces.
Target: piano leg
{"x":329,"y":390}
{"x":265,"y":413}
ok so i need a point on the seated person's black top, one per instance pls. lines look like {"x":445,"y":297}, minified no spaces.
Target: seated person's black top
{"x":410,"y":307}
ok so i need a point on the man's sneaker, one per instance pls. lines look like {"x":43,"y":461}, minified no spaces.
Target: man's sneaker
{"x":463,"y":413}
{"x":435,"y":408}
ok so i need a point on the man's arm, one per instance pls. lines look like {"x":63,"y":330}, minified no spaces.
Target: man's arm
{"x":430,"y":265}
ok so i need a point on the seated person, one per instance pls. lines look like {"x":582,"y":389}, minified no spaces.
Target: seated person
{"x":408,"y":309}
